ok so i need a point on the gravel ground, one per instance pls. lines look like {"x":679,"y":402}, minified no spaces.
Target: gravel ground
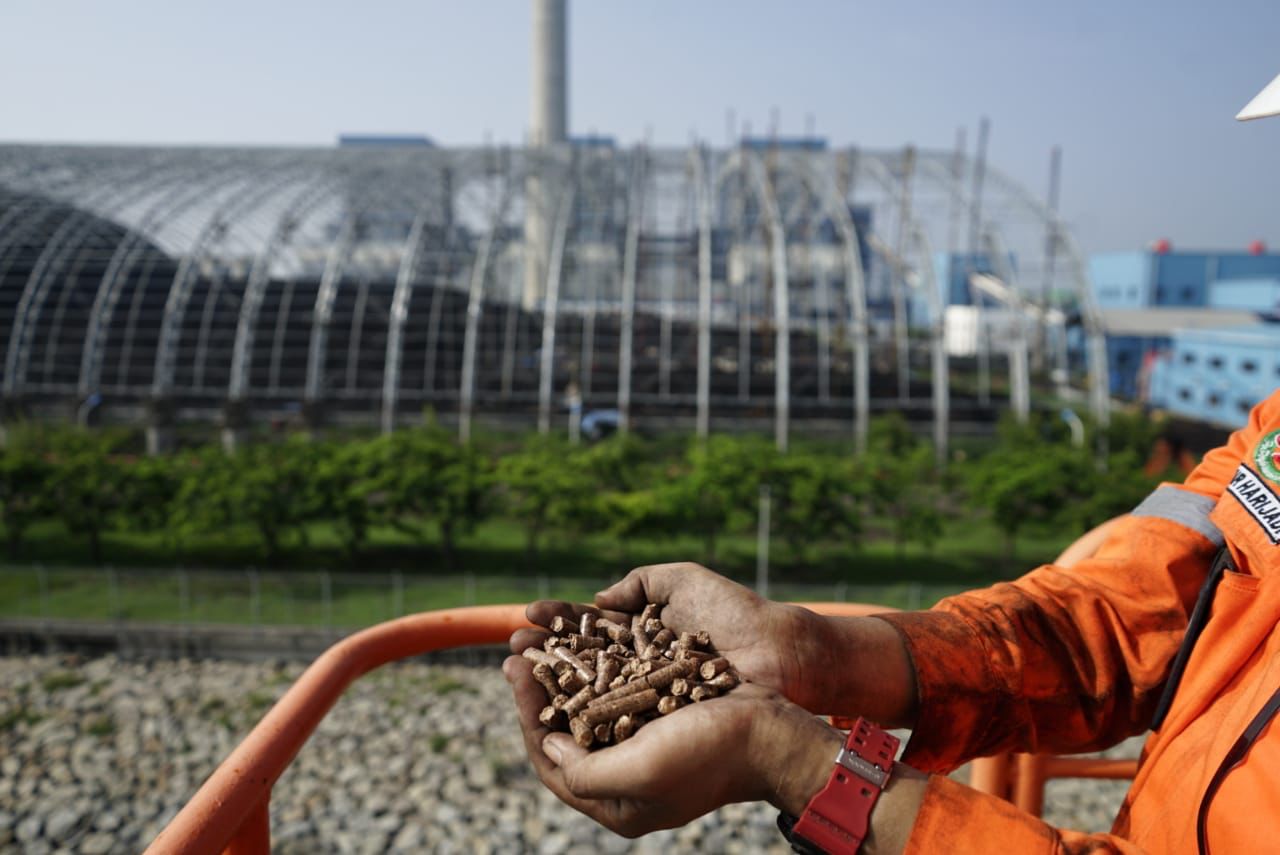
{"x":96,"y":756}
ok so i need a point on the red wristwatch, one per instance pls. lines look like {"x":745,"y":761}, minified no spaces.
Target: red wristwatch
{"x":836,"y":820}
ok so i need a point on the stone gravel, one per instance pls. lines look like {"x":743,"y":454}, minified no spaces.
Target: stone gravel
{"x":97,"y":755}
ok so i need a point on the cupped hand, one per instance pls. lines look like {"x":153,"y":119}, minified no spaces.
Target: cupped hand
{"x":840,"y":666}
{"x":748,"y":745}
{"x":769,"y":643}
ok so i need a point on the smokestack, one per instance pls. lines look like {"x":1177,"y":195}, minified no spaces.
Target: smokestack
{"x":549,"y":119}
{"x":548,"y":126}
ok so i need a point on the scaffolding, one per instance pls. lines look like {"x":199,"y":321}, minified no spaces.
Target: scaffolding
{"x":766,"y":283}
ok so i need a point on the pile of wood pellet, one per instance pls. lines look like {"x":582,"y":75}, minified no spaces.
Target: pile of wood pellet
{"x":604,"y":680}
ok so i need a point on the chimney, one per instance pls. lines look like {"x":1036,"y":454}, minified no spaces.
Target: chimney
{"x":548,"y":126}
{"x":549,"y":109}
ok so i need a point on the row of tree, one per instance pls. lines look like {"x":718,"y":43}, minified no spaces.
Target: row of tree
{"x":423,"y":483}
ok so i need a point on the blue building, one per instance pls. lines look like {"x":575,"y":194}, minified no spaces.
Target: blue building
{"x":1217,"y":375}
{"x":1236,"y":280}
{"x":1191,"y":305}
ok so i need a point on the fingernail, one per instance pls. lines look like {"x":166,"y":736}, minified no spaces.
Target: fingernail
{"x":552,"y":750}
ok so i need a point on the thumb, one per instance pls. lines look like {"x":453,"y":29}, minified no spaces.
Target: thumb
{"x":603,"y":774}
{"x":651,"y":584}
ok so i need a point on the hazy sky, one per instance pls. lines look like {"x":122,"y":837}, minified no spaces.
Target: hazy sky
{"x":1140,"y":95}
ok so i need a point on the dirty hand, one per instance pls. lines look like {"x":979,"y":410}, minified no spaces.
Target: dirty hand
{"x":833,"y":666}
{"x":748,"y":745}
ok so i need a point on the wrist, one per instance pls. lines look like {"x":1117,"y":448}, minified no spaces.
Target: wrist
{"x":862,"y":800}
{"x":796,"y":752}
{"x":860,"y":666}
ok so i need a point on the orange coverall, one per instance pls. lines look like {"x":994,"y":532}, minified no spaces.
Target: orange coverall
{"x":1076,"y":660}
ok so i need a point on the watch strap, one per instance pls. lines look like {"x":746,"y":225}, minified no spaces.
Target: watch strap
{"x":837,"y":819}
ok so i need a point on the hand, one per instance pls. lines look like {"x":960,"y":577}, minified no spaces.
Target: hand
{"x":835,"y":666}
{"x":748,"y":745}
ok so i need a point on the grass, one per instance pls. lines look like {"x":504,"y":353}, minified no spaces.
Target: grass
{"x":19,"y":715}
{"x":967,"y":548}
{"x":443,"y":684}
{"x":56,"y":681}
{"x":101,"y":726}
{"x":396,"y":575}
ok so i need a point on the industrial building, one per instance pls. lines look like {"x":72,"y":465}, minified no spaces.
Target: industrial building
{"x":1188,"y":331}
{"x":767,"y":281}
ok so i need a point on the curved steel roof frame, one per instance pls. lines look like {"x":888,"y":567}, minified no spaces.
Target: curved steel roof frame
{"x":1019,"y":366}
{"x":259,"y":183}
{"x":941,"y":369}
{"x":630,"y":261}
{"x":649,"y":242}
{"x":475,"y":302}
{"x":251,"y":303}
{"x":837,"y":210}
{"x":334,"y":268}
{"x":410,"y":257}
{"x":551,"y":302}
{"x":186,"y":192}
{"x":701,"y":176}
{"x":69,"y":236}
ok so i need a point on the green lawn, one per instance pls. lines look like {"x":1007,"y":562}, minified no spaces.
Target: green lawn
{"x":968,"y":551}
{"x":395,"y":575}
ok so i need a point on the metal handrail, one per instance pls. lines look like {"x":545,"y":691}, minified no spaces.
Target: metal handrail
{"x":229,"y":813}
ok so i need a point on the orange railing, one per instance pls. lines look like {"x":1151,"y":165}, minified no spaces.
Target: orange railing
{"x":229,"y":813}
{"x":1020,"y":778}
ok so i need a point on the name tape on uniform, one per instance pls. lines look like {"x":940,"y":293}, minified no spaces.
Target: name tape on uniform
{"x":1258,"y":499}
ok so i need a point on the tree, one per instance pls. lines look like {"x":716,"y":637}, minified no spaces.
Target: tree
{"x":718,"y":486}
{"x":818,"y":498}
{"x":86,"y":484}
{"x":24,"y":490}
{"x":1030,"y":485}
{"x":345,"y":489}
{"x":545,"y":485}
{"x":905,"y":490}
{"x":424,"y":476}
{"x":148,"y":492}
{"x":265,"y":487}
{"x":905,"y":485}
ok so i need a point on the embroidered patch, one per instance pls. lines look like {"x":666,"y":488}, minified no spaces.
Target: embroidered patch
{"x":1258,"y":499}
{"x":1267,"y":456}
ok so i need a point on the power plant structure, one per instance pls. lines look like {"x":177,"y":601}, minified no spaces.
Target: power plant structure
{"x":774,"y":281}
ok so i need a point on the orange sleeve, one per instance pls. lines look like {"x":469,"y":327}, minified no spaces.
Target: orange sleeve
{"x":1064,"y":660}
{"x":957,"y":819}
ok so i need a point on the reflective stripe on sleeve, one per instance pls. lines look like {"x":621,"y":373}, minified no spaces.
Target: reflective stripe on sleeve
{"x":1184,"y":508}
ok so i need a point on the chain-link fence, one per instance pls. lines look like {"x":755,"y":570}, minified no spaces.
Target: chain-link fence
{"x":328,"y":599}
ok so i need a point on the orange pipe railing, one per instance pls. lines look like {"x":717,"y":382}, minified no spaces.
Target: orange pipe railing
{"x":1020,"y":778}
{"x":230,"y":812}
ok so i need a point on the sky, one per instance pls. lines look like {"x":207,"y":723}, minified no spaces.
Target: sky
{"x":1140,"y":95}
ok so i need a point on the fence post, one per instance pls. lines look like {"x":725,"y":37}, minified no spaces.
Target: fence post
{"x":469,"y":597}
{"x":184,"y":595}
{"x":113,"y":594}
{"x":326,"y":596}
{"x":762,"y":542}
{"x":42,"y":579}
{"x":915,"y":596}
{"x":842,"y":591}
{"x":544,"y":588}
{"x":255,"y":600}
{"x":397,"y":593}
